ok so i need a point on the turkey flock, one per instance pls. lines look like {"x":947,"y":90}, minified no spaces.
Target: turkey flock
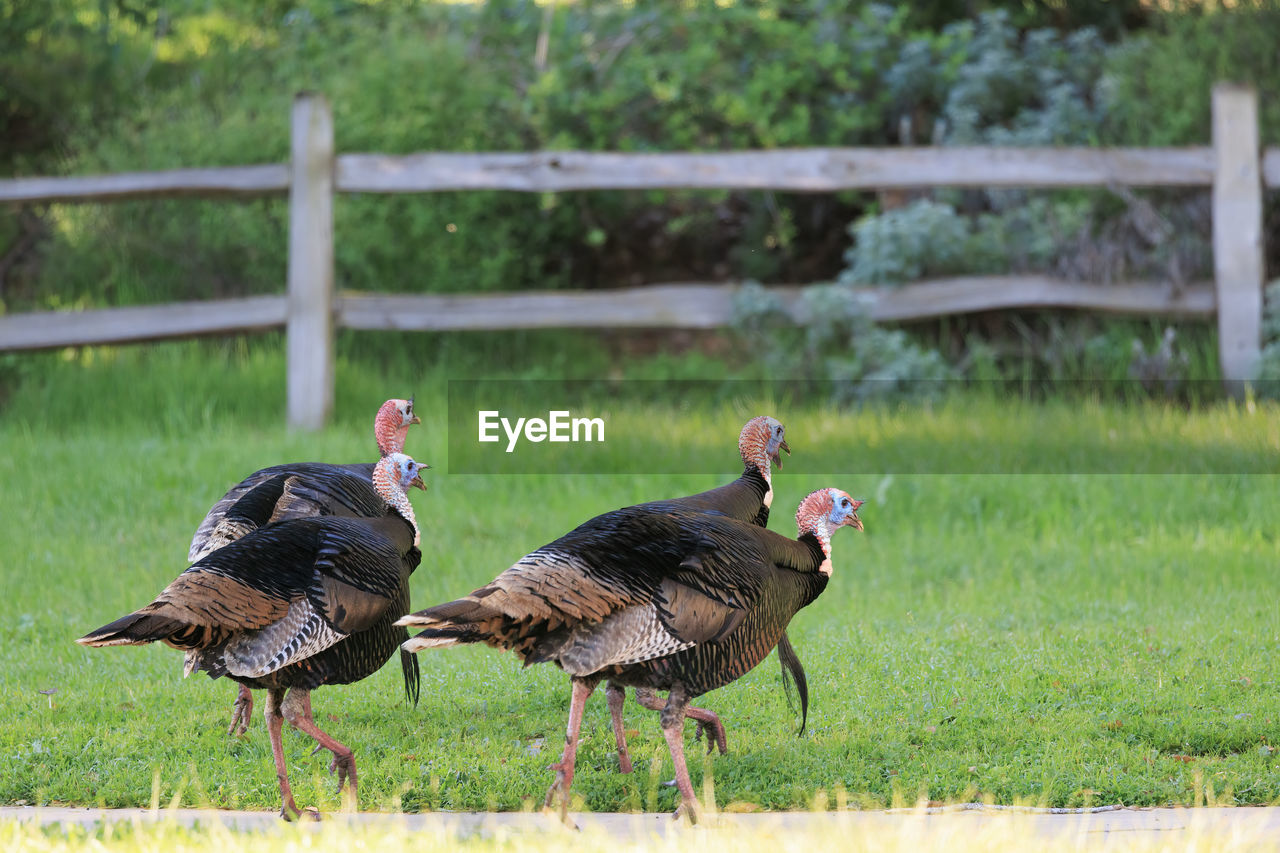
{"x":299,"y":578}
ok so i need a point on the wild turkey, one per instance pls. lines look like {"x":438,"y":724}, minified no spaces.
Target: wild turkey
{"x":315,"y":488}
{"x":650,"y":597}
{"x":293,"y":606}
{"x":748,"y":499}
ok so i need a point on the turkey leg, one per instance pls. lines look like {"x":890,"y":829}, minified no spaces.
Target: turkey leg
{"x":297,"y":711}
{"x":708,"y":723}
{"x":564,"y":770}
{"x":275,"y":725}
{"x":615,"y":696}
{"x":672,"y":717}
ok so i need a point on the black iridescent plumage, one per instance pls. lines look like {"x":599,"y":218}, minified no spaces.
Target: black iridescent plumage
{"x":747,"y":499}
{"x":661,"y":556}
{"x":316,"y":489}
{"x":320,"y":488}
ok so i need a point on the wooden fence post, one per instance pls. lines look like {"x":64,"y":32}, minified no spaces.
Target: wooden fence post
{"x":309,"y":324}
{"x":1237,"y":231}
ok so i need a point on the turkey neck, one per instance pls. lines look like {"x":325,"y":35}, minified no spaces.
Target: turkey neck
{"x":397,"y":499}
{"x":746,"y":498}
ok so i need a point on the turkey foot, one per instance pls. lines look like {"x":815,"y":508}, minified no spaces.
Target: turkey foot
{"x":559,"y":788}
{"x":343,"y":764}
{"x":241,"y":711}
{"x":709,"y":724}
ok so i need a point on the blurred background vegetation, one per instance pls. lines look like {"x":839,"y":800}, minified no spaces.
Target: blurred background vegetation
{"x":90,"y":86}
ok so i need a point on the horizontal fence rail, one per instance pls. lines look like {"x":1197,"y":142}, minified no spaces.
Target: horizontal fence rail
{"x":663,"y":306}
{"x":794,"y":170}
{"x":799,"y":170}
{"x":1235,"y":167}
{"x":230,"y":181}
{"x":52,"y":329}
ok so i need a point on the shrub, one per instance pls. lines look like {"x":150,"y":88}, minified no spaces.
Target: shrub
{"x":398,"y":84}
{"x":836,"y":346}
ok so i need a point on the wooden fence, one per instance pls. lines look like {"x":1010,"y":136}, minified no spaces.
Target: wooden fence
{"x":1235,"y":167}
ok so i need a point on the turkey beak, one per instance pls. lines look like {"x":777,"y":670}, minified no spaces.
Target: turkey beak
{"x":415,"y":420}
{"x":852,"y":520}
{"x":777,"y":456}
{"x":416,"y":482}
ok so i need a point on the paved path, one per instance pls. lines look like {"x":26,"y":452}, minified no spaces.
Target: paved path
{"x":1161,"y":827}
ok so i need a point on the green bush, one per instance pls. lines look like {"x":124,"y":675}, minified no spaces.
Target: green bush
{"x":836,"y":347}
{"x":1157,"y":85}
{"x":397,"y":85}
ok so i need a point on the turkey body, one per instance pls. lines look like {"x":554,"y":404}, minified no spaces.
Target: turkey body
{"x":706,"y":666}
{"x":316,"y":488}
{"x":282,"y":493}
{"x":353,"y":573}
{"x":637,"y":583}
{"x":746,"y":499}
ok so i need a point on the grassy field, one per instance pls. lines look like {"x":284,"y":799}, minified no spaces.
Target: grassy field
{"x":1049,"y":637}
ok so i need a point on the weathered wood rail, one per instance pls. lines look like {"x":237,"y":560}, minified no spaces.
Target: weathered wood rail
{"x":1235,"y":167}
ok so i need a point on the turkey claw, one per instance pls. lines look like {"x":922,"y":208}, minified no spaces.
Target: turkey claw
{"x":559,"y":788}
{"x":291,"y":812}
{"x":345,"y":769}
{"x":686,"y":809}
{"x":241,"y":713}
{"x":715,"y":735}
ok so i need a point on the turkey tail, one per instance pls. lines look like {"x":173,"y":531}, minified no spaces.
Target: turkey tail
{"x":793,"y":674}
{"x":136,"y":629}
{"x":447,"y":635}
{"x":447,"y":624}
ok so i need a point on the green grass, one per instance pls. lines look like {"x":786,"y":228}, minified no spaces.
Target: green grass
{"x":1058,"y":638}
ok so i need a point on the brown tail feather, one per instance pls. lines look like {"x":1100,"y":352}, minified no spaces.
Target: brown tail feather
{"x":457,"y":612}
{"x":447,"y":635}
{"x":140,"y":628}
